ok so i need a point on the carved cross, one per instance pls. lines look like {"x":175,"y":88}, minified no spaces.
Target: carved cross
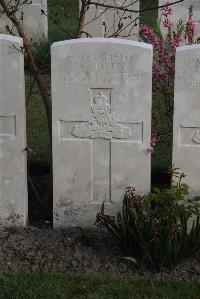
{"x":190,"y":135}
{"x":102,"y":129}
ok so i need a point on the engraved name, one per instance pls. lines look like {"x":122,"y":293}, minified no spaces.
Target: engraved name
{"x":187,"y":81}
{"x":90,"y":68}
{"x":108,"y":61}
{"x":100,"y":78}
{"x":188,"y":61}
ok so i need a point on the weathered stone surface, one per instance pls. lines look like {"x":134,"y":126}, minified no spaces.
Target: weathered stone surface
{"x":4,"y":22}
{"x":104,"y":22}
{"x":13,"y":174}
{"x":182,"y":11}
{"x":186,"y":144}
{"x":101,"y":94}
{"x":34,"y":23}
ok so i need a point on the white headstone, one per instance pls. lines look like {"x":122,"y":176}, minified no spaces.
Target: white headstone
{"x":34,"y":23}
{"x":104,"y":22}
{"x":13,"y":174}
{"x":186,"y":144}
{"x":182,"y":11}
{"x":101,"y":96}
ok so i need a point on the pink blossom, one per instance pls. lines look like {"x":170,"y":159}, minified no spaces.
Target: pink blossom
{"x":164,"y":62}
{"x":166,"y":11}
{"x":190,"y":31}
{"x":167,"y":24}
{"x":176,"y":40}
{"x":154,"y":140}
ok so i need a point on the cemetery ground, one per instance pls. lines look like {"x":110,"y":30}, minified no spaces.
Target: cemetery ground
{"x":40,"y":249}
{"x":42,"y":263}
{"x":38,"y":286}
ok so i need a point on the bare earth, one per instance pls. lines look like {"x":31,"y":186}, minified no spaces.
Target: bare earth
{"x":77,"y":251}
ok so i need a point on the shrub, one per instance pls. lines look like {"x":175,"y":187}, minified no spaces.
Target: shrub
{"x":182,"y":32}
{"x":155,"y":229}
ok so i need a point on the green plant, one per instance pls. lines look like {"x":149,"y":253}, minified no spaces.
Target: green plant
{"x":20,"y":285}
{"x":42,"y":55}
{"x":155,"y":229}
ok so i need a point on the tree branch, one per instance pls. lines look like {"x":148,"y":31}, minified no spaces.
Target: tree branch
{"x":29,"y":56}
{"x":82,"y":18}
{"x":124,"y":8}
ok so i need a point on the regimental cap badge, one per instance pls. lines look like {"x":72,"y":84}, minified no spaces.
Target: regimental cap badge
{"x":196,"y":137}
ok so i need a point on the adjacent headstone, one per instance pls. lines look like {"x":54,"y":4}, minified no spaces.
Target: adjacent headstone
{"x":105,"y":22}
{"x":4,"y":22}
{"x":101,"y":97}
{"x":34,"y":22}
{"x":186,"y":144}
{"x":13,"y":173}
{"x":182,"y":11}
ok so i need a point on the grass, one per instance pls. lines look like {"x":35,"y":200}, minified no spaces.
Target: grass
{"x":149,"y":17}
{"x":37,"y":129}
{"x":64,"y":286}
{"x":66,"y":12}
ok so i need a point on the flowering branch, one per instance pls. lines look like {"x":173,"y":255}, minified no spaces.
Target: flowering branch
{"x":164,"y":66}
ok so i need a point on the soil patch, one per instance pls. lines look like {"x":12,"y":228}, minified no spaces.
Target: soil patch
{"x":40,"y":248}
{"x":40,"y":202}
{"x":75,"y":251}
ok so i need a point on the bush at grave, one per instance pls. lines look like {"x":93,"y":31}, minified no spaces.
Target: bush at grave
{"x":159,"y":230}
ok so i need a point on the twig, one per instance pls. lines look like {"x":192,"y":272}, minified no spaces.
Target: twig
{"x":132,"y":10}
